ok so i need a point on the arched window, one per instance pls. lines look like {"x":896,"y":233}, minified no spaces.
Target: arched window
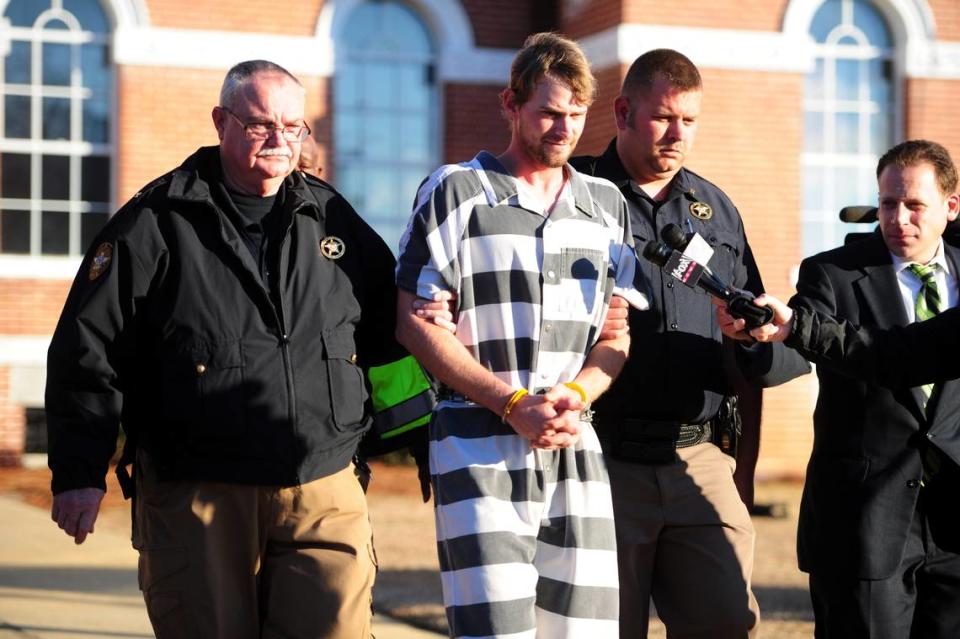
{"x":386,"y":113}
{"x":55,"y":149}
{"x":849,"y":112}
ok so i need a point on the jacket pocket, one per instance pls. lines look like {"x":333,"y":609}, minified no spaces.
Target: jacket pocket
{"x":345,"y":380}
{"x":853,"y":470}
{"x":203,"y":389}
{"x":726,"y":256}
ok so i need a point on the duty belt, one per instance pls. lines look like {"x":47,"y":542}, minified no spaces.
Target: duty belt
{"x":651,"y":441}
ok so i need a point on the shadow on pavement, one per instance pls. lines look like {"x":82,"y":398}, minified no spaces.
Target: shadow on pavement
{"x":784,"y":602}
{"x":105,"y":581}
{"x":73,"y":632}
{"x":413,"y":596}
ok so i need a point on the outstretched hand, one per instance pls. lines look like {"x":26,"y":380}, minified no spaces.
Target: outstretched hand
{"x":781,"y":326}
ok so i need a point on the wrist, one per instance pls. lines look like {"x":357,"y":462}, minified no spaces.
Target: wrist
{"x":512,"y":403}
{"x":579,"y":390}
{"x":791,"y":324}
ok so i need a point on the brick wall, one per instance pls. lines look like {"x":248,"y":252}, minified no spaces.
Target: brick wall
{"x":293,"y":17}
{"x":764,"y":15}
{"x":946,"y":15}
{"x":580,"y":18}
{"x":472,"y":121}
{"x":319,"y":108}
{"x":601,"y":126}
{"x":13,"y":422}
{"x":163,"y":116}
{"x":31,"y":307}
{"x":502,"y":23}
{"x":931,"y":113}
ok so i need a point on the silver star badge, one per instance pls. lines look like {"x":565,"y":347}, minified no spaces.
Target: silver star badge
{"x":332,"y":247}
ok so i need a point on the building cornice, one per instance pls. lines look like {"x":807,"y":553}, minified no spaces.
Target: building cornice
{"x":789,"y":52}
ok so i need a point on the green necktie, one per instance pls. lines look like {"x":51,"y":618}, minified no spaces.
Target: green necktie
{"x":928,"y":299}
{"x":927,"y":305}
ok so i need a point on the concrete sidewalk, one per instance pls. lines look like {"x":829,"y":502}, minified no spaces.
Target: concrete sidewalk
{"x":51,"y":588}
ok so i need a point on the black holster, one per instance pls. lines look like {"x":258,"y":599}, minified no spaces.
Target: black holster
{"x":128,"y":485}
{"x":728,"y":426}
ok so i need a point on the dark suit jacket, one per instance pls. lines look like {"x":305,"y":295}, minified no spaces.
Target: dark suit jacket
{"x":863,"y":477}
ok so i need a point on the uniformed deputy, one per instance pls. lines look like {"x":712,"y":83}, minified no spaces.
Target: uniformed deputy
{"x":684,"y":535}
{"x":227,"y":315}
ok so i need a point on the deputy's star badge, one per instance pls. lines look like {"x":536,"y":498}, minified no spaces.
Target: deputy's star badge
{"x":701,"y":210}
{"x":332,"y":247}
{"x":101,"y":261}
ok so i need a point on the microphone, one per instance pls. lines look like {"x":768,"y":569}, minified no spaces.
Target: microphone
{"x":858,"y":214}
{"x":684,"y":268}
{"x":692,"y":245}
{"x":674,"y":237}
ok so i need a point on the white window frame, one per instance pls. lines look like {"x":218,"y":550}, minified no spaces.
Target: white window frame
{"x":75,"y":148}
{"x":864,"y":160}
{"x":433,"y":115}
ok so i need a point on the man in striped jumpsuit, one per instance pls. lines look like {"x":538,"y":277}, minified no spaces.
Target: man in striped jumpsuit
{"x":533,"y":252}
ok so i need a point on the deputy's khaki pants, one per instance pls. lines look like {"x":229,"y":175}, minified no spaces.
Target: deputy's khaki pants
{"x":225,"y":561}
{"x":685,"y":538}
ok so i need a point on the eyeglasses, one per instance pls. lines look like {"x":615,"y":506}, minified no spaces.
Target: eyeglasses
{"x":264,"y":130}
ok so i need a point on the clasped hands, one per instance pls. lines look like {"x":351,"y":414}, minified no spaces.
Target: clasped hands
{"x":551,"y":420}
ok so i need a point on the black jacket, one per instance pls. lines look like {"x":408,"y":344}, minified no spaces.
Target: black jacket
{"x":863,"y":479}
{"x":169,"y":329}
{"x":918,"y":353}
{"x":676,"y":368}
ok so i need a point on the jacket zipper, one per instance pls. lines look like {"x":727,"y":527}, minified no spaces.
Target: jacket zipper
{"x":281,"y":320}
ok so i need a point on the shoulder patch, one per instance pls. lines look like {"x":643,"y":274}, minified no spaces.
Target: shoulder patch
{"x":101,"y":261}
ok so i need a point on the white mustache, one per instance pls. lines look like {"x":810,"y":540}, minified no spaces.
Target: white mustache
{"x":271,"y":152}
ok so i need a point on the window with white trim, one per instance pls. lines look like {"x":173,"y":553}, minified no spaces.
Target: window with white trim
{"x":55,"y":148}
{"x":849,"y":113}
{"x":385,"y":128}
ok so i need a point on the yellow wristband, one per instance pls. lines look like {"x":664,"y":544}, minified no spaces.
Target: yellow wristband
{"x":514,"y":399}
{"x":577,"y":387}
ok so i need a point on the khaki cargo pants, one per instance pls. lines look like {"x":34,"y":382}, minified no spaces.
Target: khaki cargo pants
{"x":226,"y":561}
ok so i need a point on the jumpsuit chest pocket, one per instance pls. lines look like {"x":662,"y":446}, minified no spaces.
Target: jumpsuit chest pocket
{"x":345,"y":380}
{"x":203,"y":386}
{"x":582,"y":275}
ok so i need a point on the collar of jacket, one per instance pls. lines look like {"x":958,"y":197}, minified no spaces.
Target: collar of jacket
{"x":611,"y":167}
{"x":192,"y":182}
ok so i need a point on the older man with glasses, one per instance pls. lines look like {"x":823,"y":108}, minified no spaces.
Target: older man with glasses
{"x":226,"y":316}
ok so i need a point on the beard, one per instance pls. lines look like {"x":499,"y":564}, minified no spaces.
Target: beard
{"x":545,"y":154}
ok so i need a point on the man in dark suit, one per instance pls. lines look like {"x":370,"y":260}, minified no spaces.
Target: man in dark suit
{"x":877,"y":531}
